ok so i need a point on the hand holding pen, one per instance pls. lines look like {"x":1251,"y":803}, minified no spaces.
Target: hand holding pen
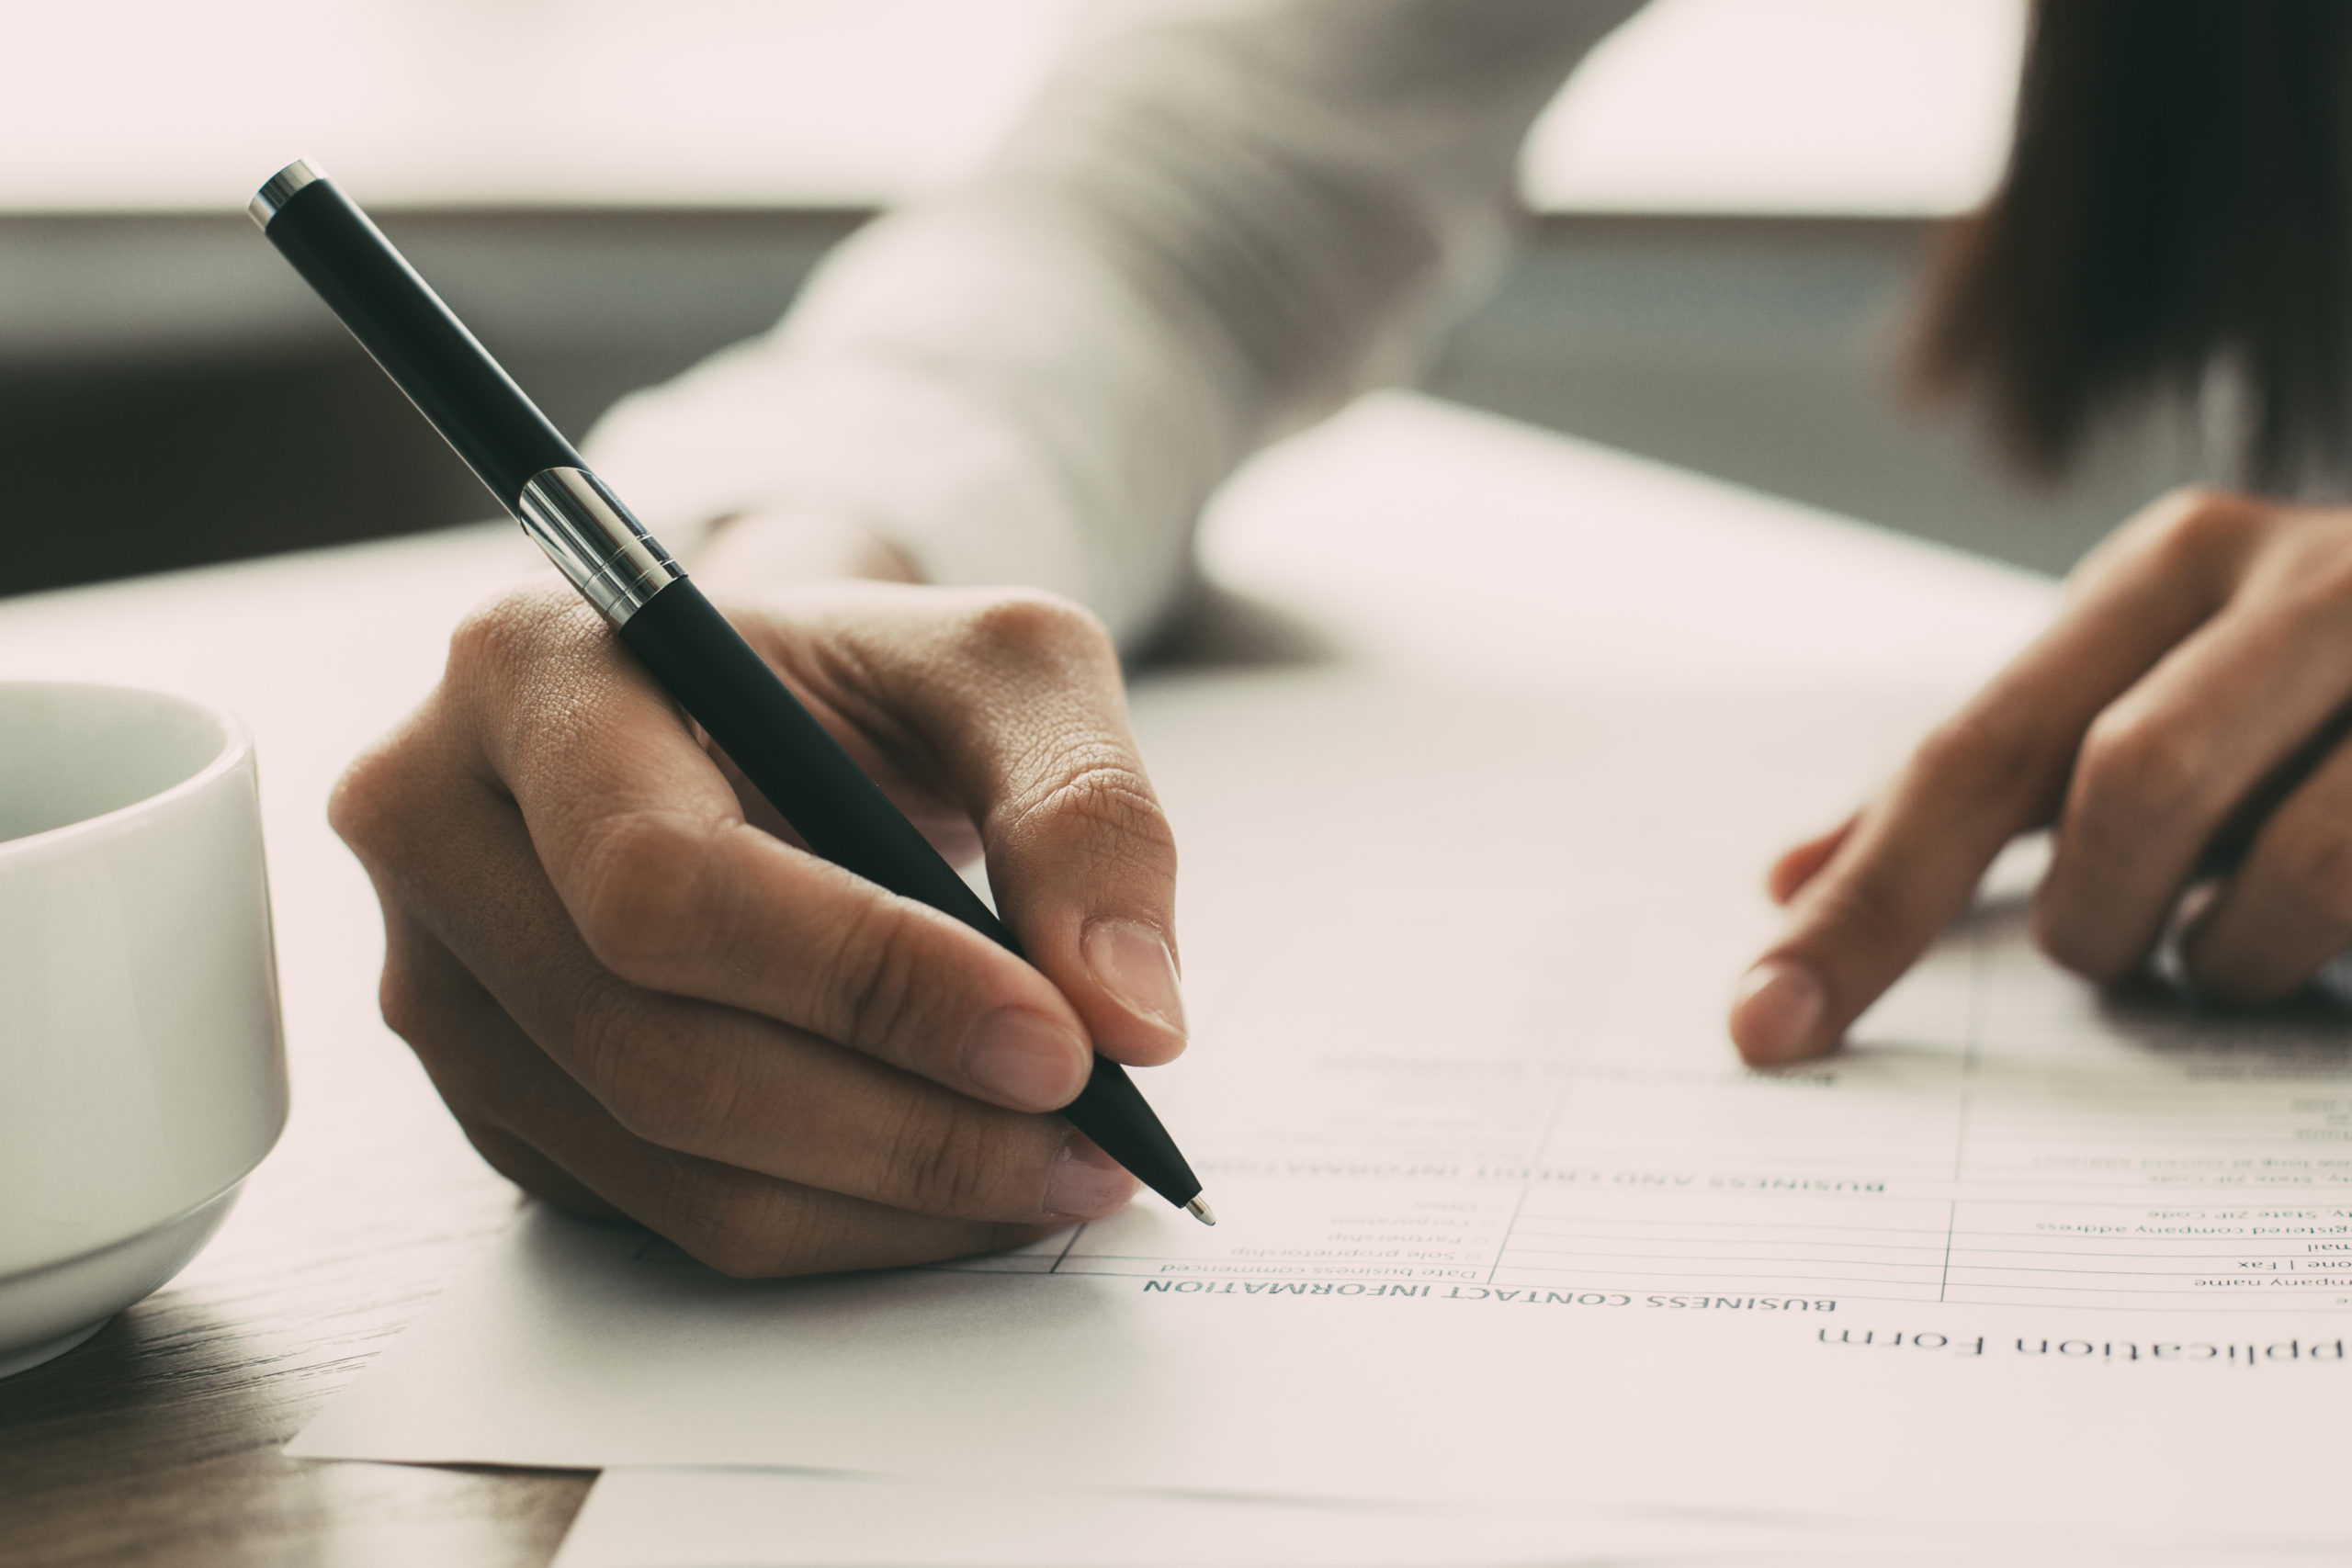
{"x":635,"y":993}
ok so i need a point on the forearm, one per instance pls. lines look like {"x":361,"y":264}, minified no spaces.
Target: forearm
{"x":1215,"y":228}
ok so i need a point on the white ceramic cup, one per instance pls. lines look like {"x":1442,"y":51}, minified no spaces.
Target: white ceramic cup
{"x":143,"y":1066}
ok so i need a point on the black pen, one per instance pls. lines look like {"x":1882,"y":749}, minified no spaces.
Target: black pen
{"x":651,"y":606}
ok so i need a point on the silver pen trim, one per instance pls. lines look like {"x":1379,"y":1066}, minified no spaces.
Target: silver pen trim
{"x":594,"y":541}
{"x":279,"y":190}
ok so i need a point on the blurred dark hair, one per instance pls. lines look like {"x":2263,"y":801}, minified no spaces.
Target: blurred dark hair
{"x":2178,"y":190}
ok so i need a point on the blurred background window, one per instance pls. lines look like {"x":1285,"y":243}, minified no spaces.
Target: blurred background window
{"x":1734,"y":194}
{"x":155,"y":106}
{"x":1877,"y":107}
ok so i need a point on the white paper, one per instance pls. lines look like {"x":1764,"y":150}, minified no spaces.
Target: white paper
{"x":1505,"y":1222}
{"x":750,"y":1518}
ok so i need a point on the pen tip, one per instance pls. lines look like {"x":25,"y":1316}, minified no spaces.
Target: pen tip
{"x":1199,"y":1209}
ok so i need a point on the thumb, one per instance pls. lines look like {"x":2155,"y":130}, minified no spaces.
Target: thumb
{"x":1084,"y":871}
{"x":1019,"y":698}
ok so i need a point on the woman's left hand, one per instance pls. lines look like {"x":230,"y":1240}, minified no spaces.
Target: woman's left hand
{"x":2202,"y":647}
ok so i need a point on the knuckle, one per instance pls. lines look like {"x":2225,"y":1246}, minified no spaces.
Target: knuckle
{"x":738,"y":1224}
{"x":500,"y":637}
{"x":420,"y":1014}
{"x":1039,"y":628}
{"x":940,"y":1161}
{"x":406,"y":1005}
{"x":1093,"y":786}
{"x":399,"y":782}
{"x":360,"y":805}
{"x":650,"y":1077}
{"x":487,"y":646}
{"x":2135,"y":768}
{"x":2196,"y":525}
{"x":2318,"y":581}
{"x":1987,"y":753}
{"x":2310,"y":864}
{"x":1865,"y":910}
{"x":482,"y":635}
{"x":871,"y":979}
{"x":2075,"y":944}
{"x":2075,"y":918}
{"x":2053,"y":938}
{"x":643,"y":899}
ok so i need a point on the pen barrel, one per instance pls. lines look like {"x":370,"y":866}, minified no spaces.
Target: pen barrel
{"x":704,"y":662}
{"x":421,"y":345}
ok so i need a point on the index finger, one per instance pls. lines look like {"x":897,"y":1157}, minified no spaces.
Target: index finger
{"x":1016,"y":702}
{"x":646,"y":845}
{"x":1996,"y":768}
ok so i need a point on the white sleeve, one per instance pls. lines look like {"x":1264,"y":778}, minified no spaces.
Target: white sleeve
{"x":1222,"y":220}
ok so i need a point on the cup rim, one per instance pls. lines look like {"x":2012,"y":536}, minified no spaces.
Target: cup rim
{"x":236,"y":744}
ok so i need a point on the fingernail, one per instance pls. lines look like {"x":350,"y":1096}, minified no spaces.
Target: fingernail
{"x":1131,"y":962}
{"x":1085,"y":1183}
{"x":1026,"y":1058}
{"x":1776,"y":1010}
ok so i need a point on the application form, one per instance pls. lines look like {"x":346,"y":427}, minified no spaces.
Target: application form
{"x":1484,"y":1060}
{"x":1503,"y":1219}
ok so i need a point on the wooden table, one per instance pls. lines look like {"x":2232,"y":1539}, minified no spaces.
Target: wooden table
{"x":1404,"y":534}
